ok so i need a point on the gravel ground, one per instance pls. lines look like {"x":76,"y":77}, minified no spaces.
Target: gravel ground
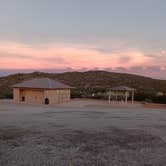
{"x":81,"y":133}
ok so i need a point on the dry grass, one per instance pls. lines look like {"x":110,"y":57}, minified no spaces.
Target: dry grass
{"x":113,"y":147}
{"x":56,"y":136}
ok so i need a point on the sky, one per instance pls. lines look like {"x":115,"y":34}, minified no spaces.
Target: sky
{"x":64,"y":35}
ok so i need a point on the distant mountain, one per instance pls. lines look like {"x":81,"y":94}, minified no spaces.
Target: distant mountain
{"x":89,"y":82}
{"x":2,"y":74}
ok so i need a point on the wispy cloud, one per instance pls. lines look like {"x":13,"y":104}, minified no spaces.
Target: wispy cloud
{"x":78,"y":57}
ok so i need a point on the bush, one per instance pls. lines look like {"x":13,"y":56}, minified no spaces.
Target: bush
{"x":160,"y":99}
{"x":76,"y":94}
{"x":144,"y":96}
{"x":8,"y":96}
{"x":150,"y":97}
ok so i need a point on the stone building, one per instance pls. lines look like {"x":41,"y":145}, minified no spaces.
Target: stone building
{"x":41,"y":90}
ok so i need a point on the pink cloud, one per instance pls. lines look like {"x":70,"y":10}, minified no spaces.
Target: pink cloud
{"x":59,"y":56}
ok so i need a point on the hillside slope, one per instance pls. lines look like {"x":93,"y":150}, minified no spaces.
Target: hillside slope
{"x":89,"y":82}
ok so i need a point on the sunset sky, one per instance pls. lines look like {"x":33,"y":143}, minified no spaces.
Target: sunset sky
{"x":65,"y":35}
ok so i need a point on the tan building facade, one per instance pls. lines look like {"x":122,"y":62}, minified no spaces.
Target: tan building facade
{"x":41,"y":90}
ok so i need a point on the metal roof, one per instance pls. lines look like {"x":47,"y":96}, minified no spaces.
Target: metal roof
{"x":122,"y":88}
{"x":42,"y":83}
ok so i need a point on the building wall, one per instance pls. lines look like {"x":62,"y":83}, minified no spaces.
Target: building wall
{"x":39,"y":96}
{"x":16,"y":95}
{"x":57,"y":96}
{"x":32,"y":96}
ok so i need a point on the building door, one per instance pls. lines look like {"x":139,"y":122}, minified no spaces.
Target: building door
{"x":23,"y":99}
{"x":46,"y":101}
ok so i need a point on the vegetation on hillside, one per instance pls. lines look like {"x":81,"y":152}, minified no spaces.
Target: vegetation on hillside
{"x":93,"y":82}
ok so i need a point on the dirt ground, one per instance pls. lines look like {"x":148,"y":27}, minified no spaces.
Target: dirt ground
{"x":82,"y":133}
{"x":154,"y":105}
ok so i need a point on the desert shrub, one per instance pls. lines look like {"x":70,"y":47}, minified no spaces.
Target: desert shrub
{"x":150,"y":97}
{"x":144,"y":96}
{"x":8,"y":96}
{"x":76,"y":94}
{"x":159,"y":99}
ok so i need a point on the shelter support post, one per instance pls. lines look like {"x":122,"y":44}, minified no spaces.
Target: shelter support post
{"x":116,"y":96}
{"x":126,"y":97}
{"x":109,"y":99}
{"x":132,"y":97}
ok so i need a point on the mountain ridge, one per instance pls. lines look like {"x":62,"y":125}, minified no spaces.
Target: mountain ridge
{"x":88,"y":82}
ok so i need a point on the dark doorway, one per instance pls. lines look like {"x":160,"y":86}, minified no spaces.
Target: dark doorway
{"x":23,"y":98}
{"x":46,"y":101}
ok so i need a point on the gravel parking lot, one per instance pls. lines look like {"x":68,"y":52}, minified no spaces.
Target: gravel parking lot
{"x":81,"y":133}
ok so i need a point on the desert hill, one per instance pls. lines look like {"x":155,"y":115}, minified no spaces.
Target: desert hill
{"x":89,"y":82}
